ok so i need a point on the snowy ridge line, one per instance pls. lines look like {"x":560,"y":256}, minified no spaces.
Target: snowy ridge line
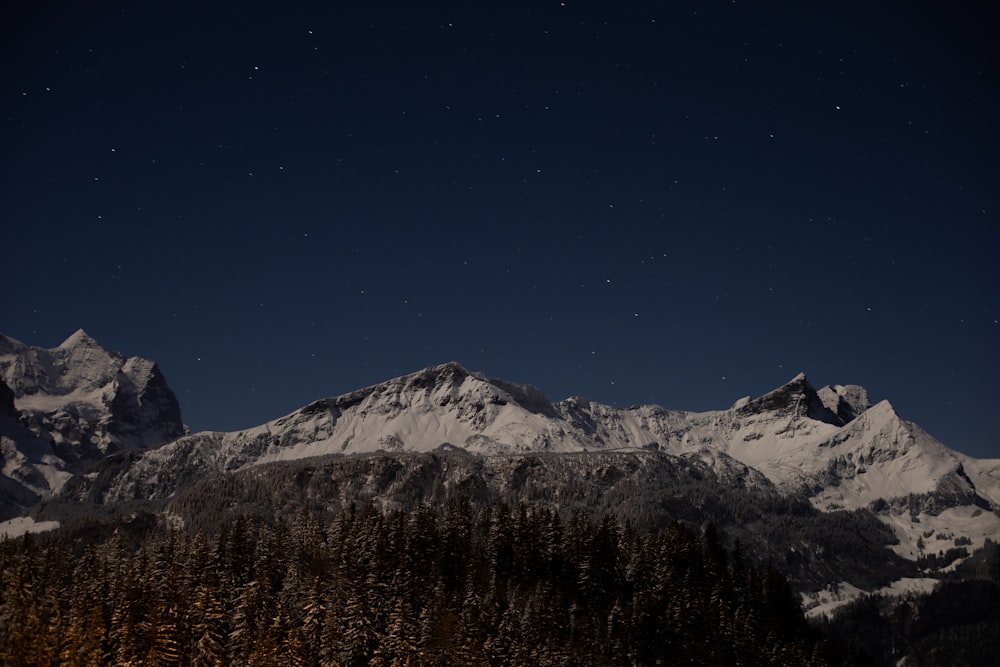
{"x":832,"y":445}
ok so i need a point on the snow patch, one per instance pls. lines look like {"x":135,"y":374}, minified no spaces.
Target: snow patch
{"x":828,"y":600}
{"x":21,"y":525}
{"x":929,"y":534}
{"x":822,"y":603}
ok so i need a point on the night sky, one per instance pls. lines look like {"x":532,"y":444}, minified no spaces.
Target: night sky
{"x":678,"y":203}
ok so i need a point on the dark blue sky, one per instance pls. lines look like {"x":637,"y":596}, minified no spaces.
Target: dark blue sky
{"x":671,"y":203}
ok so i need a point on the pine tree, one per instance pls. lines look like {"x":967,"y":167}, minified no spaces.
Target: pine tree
{"x":85,"y":633}
{"x":208,"y":623}
{"x":126,"y":638}
{"x":360,"y":635}
{"x":21,"y":611}
{"x":271,"y":648}
{"x":248,"y":622}
{"x":400,"y":646}
{"x":306,"y":641}
{"x":166,"y":623}
{"x":456,"y":550}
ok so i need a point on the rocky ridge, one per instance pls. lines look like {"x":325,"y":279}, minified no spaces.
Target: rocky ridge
{"x":64,"y":409}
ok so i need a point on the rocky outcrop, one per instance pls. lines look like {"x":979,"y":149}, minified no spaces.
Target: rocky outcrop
{"x":64,"y":409}
{"x":88,"y":400}
{"x":7,"y":408}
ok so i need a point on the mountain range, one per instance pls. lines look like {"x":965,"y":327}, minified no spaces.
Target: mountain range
{"x":83,"y":427}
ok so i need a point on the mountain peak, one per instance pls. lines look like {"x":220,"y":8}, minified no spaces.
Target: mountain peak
{"x":112,"y":401}
{"x":836,"y":404}
{"x":796,"y":395}
{"x":450,"y":372}
{"x":450,"y":367}
{"x":798,"y":385}
{"x":79,"y":338}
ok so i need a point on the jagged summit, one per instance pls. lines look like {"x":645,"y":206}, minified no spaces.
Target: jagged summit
{"x":836,"y":404}
{"x":75,"y":403}
{"x":449,"y":372}
{"x":80,"y":375}
{"x":78,"y":338}
{"x":10,"y":346}
{"x":796,"y":395}
{"x":450,"y":366}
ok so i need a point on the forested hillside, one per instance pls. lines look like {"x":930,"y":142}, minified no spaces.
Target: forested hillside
{"x":489,"y":585}
{"x":649,"y":489}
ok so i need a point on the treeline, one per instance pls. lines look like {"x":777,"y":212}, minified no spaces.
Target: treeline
{"x":647,"y":489}
{"x":492,"y":585}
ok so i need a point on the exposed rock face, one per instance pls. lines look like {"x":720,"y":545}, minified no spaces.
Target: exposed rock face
{"x":835,"y":405}
{"x":89,"y":400}
{"x":792,"y":399}
{"x":7,"y":408}
{"x":144,"y":410}
{"x":847,"y":402}
{"x":65,"y":408}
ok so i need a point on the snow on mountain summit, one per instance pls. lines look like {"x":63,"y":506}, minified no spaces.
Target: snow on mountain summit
{"x":126,"y":401}
{"x":75,"y":403}
{"x":443,"y":404}
{"x":78,"y":338}
{"x":78,"y":366}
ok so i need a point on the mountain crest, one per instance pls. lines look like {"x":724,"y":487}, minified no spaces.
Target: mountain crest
{"x":836,"y":404}
{"x":795,"y":397}
{"x":81,"y":402}
{"x":79,"y":338}
{"x":450,"y":373}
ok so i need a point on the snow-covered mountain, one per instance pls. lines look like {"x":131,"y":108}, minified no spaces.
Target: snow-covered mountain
{"x":65,"y":408}
{"x":832,"y":445}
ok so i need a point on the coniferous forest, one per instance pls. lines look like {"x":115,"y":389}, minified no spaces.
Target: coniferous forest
{"x":462,"y":585}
